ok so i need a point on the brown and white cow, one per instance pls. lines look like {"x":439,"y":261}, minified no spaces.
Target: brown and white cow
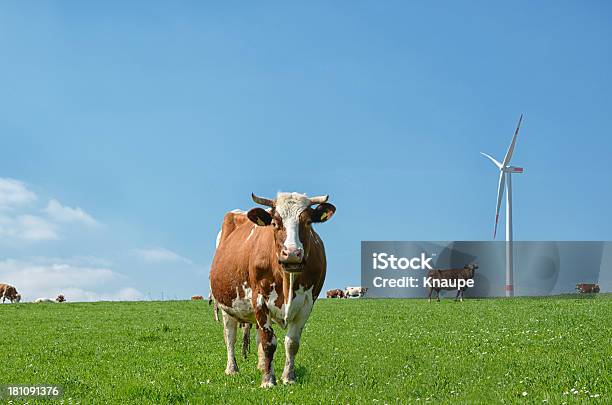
{"x":335,"y":293}
{"x":586,"y":288}
{"x":269,"y":266}
{"x":9,"y":292}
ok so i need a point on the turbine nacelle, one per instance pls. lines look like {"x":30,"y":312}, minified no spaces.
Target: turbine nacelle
{"x":514,"y":169}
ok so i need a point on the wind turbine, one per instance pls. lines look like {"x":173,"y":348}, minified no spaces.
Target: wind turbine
{"x":505,"y":179}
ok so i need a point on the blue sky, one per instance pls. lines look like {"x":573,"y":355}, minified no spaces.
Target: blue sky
{"x":127,"y":130}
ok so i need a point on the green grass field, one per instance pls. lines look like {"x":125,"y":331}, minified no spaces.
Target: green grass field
{"x":557,"y":349}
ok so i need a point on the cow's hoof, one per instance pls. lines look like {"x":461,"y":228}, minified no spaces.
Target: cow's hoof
{"x":268,"y":382}
{"x":288,"y":377}
{"x":231,"y":370}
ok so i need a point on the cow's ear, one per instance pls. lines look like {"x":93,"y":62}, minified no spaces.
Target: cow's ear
{"x":322,"y":212}
{"x":260,"y":216}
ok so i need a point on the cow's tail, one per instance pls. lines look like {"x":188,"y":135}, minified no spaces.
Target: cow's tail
{"x":246,"y":339}
{"x":216,"y":310}
{"x":213,"y":301}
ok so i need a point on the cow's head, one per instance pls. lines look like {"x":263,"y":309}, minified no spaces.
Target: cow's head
{"x":17,"y":297}
{"x":291,"y":216}
{"x":471,"y":268}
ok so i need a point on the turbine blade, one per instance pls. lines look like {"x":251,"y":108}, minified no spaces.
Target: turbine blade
{"x":500,"y":195}
{"x":492,"y":159}
{"x":508,"y":156}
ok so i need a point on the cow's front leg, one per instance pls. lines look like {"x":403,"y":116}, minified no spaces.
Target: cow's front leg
{"x":267,"y":342}
{"x":261,"y":357}
{"x":230,"y":325}
{"x":292,"y":340}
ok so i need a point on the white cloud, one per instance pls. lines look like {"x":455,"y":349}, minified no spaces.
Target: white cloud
{"x":61,"y":213}
{"x":14,"y":193}
{"x":160,"y":255}
{"x":76,"y":283}
{"x":19,"y":221}
{"x":27,"y":227}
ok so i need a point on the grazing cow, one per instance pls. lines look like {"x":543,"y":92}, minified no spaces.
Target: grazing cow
{"x":9,"y":292}
{"x":197,"y":298}
{"x":585,"y":288}
{"x":270,"y":267}
{"x":44,"y":300}
{"x":60,"y":298}
{"x":355,"y":292}
{"x":337,"y":293}
{"x":451,"y":279}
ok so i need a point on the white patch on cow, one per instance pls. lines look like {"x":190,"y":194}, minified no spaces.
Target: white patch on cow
{"x":238,"y":211}
{"x":218,"y":239}
{"x":276,"y":313}
{"x":251,"y":234}
{"x":267,"y":324}
{"x":303,"y":298}
{"x":242,"y":308}
{"x":292,"y":306}
{"x":290,"y":298}
{"x":289,"y":206}
{"x":260,"y":300}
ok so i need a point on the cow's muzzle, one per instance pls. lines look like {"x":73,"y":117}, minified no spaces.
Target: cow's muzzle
{"x":292,"y":259}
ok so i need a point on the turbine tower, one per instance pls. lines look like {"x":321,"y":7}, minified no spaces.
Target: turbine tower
{"x":505,"y":180}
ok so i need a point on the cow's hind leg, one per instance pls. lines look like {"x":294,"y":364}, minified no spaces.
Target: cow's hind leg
{"x":267,"y":342}
{"x":230,"y":325}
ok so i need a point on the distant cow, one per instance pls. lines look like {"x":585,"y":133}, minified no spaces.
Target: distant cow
{"x":451,"y":279}
{"x":197,"y":298}
{"x":337,"y":293}
{"x":60,"y":298}
{"x":585,"y":288}
{"x":43,"y":300}
{"x":9,"y":292}
{"x":355,"y":292}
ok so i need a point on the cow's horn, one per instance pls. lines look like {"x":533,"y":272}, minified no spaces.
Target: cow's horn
{"x":319,"y":199}
{"x":262,"y":201}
